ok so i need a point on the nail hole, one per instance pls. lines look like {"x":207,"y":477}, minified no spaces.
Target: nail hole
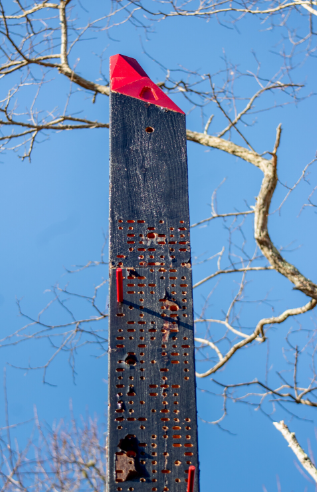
{"x":149,"y":129}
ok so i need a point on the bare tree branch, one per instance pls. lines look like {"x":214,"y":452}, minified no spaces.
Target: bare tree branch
{"x":258,"y":330}
{"x":235,"y":270}
{"x":296,"y":448}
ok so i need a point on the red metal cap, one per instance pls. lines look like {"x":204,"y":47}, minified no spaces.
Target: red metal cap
{"x":128,"y":77}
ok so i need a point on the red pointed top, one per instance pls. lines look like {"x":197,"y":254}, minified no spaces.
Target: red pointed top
{"x":128,"y":77}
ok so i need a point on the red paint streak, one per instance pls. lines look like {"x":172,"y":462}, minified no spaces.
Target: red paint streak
{"x":191,"y":479}
{"x":119,"y":285}
{"x":128,"y":77}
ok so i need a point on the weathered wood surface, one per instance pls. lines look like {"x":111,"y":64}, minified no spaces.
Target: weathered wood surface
{"x":152,"y":393}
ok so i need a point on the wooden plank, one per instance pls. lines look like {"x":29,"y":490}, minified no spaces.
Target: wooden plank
{"x":152,"y":438}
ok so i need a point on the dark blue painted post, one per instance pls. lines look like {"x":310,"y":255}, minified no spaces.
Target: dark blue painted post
{"x":152,"y":440}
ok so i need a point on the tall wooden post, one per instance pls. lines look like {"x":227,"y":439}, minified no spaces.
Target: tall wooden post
{"x":152,"y":440}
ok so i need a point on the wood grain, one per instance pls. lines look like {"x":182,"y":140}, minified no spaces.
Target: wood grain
{"x":152,"y":393}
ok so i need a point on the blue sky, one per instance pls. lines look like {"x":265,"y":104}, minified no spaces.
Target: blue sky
{"x":54,"y":212}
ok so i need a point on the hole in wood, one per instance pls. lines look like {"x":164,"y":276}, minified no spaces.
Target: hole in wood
{"x":131,"y":360}
{"x":149,"y":129}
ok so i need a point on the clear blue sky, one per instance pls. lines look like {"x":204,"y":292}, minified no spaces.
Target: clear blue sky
{"x":53,"y":212}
